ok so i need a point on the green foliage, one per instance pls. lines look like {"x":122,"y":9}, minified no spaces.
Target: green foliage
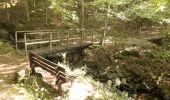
{"x":34,"y":86}
{"x":66,"y":9}
{"x":5,"y":48}
{"x":161,"y":55}
{"x":156,"y":10}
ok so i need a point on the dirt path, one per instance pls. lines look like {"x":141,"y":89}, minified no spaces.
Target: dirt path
{"x":9,"y":64}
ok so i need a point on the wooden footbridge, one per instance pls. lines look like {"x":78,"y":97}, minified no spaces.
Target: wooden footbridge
{"x":53,"y":41}
{"x":52,"y":68}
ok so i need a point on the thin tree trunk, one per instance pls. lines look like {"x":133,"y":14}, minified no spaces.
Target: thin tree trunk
{"x":82,"y":14}
{"x":27,"y":10}
{"x":46,"y":13}
{"x":104,"y":33}
{"x":105,"y":27}
{"x":82,"y":20}
{"x":7,"y":13}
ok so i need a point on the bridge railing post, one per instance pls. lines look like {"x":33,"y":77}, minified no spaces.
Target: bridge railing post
{"x":67,"y":40}
{"x":60,"y":79}
{"x":92,"y":36}
{"x":50,"y":41}
{"x":16,"y":41}
{"x":32,"y":66}
{"x":82,"y":34}
{"x":25,"y":43}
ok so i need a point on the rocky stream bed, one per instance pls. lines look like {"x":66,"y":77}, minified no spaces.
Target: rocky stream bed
{"x":141,"y":71}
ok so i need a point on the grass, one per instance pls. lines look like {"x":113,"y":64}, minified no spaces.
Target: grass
{"x":6,"y":48}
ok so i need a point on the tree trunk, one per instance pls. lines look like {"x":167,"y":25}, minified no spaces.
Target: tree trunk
{"x":82,"y":14}
{"x":7,"y":13}
{"x":46,"y":13}
{"x":27,"y":13}
{"x":82,"y":20}
{"x":104,"y":33}
{"x":105,"y":26}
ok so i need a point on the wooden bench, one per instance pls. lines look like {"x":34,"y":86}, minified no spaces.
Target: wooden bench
{"x":52,"y":68}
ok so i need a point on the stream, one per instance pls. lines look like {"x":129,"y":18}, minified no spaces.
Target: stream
{"x":76,"y":59}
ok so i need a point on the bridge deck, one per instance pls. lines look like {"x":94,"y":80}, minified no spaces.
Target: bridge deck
{"x":59,"y":48}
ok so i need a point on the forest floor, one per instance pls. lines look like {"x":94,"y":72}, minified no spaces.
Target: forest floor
{"x":12,"y":62}
{"x":12,"y":65}
{"x":9,"y":64}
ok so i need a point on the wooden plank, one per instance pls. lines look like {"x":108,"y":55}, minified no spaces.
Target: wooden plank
{"x":25,"y":43}
{"x":92,"y":37}
{"x":61,"y":79}
{"x":34,"y":33}
{"x":16,"y":41}
{"x":45,"y":64}
{"x":23,"y":31}
{"x":45,"y":60}
{"x":81,"y":38}
{"x":43,"y":67}
{"x":37,"y":40}
{"x":60,"y":73}
{"x":74,"y":38}
{"x":51,"y":36}
{"x":67,"y":41}
{"x":42,"y":42}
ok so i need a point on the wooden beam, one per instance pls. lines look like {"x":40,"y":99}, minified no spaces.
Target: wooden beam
{"x":68,"y":41}
{"x":16,"y":41}
{"x":51,"y":36}
{"x":92,"y":37}
{"x":25,"y":43}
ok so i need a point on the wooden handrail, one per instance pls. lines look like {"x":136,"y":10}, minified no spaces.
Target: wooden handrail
{"x":54,"y":37}
{"x":52,"y":68}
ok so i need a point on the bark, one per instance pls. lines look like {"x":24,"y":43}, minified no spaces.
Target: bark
{"x":46,"y":13}
{"x":105,"y":26}
{"x":82,"y":14}
{"x":27,"y":13}
{"x":7,"y":13}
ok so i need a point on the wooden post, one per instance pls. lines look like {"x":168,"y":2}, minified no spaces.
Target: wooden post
{"x":73,"y":36}
{"x":92,"y":36}
{"x":112,"y":38}
{"x":16,"y":40}
{"x":25,"y":43}
{"x":148,"y":31}
{"x":59,"y":37}
{"x":58,"y":34}
{"x":50,"y":41}
{"x":31,"y":64}
{"x":81,"y":37}
{"x":157,"y":31}
{"x":60,"y":79}
{"x":67,"y":40}
{"x":115,"y":40}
